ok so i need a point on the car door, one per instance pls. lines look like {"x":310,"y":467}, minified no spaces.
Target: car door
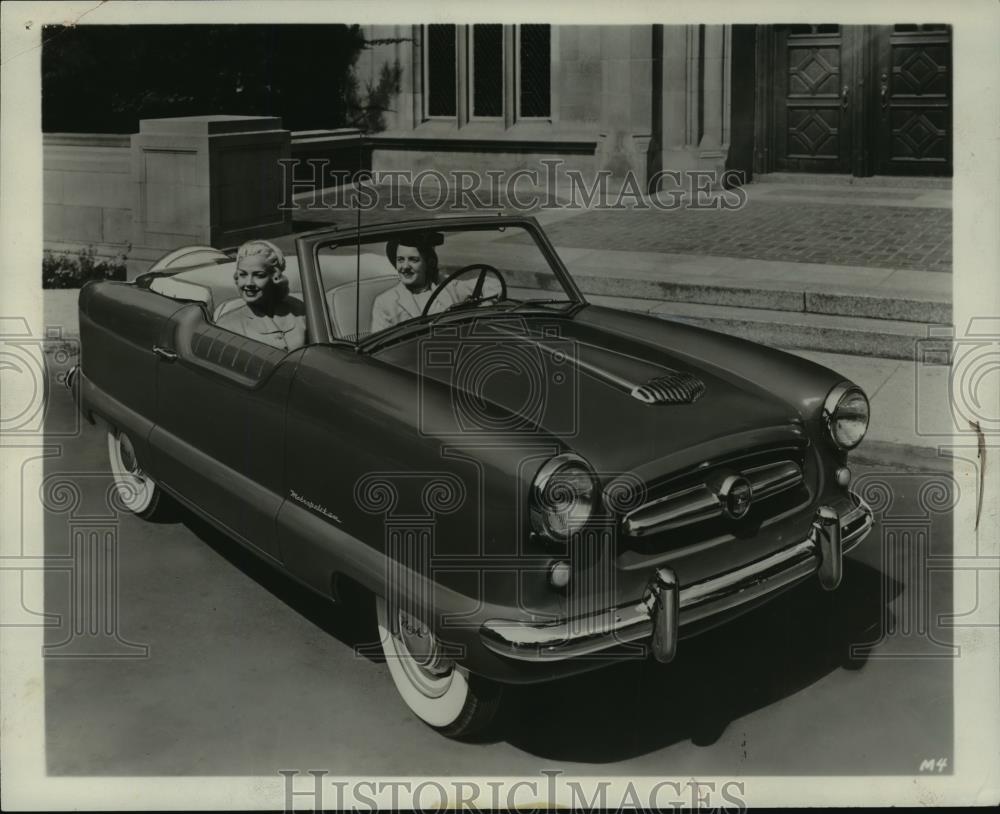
{"x":349,"y":415}
{"x":119,"y":326}
{"x":220,"y":430}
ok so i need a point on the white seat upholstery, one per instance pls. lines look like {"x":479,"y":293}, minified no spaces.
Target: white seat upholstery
{"x":213,"y":285}
{"x":344,"y":309}
{"x":190,"y":257}
{"x":179,"y":289}
{"x":218,"y":279}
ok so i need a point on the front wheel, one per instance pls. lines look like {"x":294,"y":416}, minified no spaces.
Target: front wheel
{"x":437,"y":690}
{"x":136,"y":490}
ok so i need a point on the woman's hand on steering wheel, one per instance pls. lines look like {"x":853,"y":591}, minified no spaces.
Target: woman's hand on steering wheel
{"x":476,"y":298}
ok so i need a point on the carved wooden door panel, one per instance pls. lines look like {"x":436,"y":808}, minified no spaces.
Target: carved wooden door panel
{"x":854,"y":99}
{"x":812,"y":97}
{"x":913,"y":120}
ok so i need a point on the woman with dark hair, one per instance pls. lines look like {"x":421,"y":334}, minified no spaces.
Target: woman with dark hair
{"x":416,"y":262}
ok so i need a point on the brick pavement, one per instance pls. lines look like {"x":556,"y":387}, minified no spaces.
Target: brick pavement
{"x":310,"y":214}
{"x":843,"y":233}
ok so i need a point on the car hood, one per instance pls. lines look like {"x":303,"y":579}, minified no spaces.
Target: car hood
{"x":572,"y":380}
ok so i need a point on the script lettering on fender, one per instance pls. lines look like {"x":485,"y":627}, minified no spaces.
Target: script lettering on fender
{"x":316,"y":507}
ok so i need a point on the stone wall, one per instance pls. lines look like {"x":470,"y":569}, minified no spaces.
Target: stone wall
{"x":181,"y":182}
{"x":87,"y":192}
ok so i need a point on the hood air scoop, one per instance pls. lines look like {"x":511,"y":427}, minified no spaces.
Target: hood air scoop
{"x":674,"y":388}
{"x":620,"y":369}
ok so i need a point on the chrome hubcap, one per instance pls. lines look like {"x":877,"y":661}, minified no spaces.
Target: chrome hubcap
{"x":424,"y":651}
{"x":129,"y":460}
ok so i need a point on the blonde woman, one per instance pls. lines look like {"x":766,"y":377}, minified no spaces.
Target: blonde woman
{"x":265,"y":314}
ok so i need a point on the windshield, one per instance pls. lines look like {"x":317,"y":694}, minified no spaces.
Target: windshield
{"x":417,"y":276}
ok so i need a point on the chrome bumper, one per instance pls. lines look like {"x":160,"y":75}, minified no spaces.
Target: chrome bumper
{"x":666,"y":606}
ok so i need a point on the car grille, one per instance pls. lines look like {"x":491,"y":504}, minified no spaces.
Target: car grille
{"x":691,"y":501}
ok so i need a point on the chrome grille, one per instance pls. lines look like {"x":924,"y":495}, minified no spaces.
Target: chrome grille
{"x":674,"y":388}
{"x":700,"y":502}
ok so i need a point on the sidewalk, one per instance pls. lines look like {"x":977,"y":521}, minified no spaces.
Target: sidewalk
{"x":860,"y":226}
{"x":910,"y":409}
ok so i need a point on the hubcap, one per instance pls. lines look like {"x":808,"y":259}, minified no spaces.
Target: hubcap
{"x":129,"y":460}
{"x":424,"y":651}
{"x":134,"y":487}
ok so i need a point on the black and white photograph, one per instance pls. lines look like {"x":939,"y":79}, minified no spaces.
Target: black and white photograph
{"x":444,"y":406}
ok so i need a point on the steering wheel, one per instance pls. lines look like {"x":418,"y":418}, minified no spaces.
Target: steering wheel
{"x":477,"y":293}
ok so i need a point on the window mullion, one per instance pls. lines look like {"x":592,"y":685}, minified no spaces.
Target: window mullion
{"x":510,"y":111}
{"x":462,"y":52}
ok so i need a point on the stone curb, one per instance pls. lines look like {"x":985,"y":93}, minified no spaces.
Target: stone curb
{"x":896,"y":456}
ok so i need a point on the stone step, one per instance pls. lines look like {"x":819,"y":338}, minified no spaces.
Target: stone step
{"x":858,"y":336}
{"x":835,"y":180}
{"x":761,"y":296}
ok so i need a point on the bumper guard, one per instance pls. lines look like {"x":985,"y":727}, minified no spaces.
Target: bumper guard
{"x":666,"y":606}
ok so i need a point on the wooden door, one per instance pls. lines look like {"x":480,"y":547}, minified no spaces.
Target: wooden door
{"x":812,"y":95}
{"x":914,"y":86}
{"x":862,"y":100}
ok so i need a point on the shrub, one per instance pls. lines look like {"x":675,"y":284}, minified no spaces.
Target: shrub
{"x":73,"y":270}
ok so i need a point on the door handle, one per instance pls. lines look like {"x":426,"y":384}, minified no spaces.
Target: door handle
{"x":885,"y":90}
{"x":163,"y":353}
{"x":843,"y":97}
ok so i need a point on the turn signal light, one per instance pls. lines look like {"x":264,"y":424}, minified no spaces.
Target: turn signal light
{"x":559,"y":574}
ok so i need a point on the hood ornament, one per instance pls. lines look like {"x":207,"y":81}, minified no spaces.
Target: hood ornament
{"x":674,"y":388}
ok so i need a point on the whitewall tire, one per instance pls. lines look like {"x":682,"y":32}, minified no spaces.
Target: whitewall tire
{"x":137,"y":492}
{"x":442,"y":694}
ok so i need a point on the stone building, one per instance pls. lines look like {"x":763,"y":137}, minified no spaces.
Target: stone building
{"x":636,"y":100}
{"x":856,"y":100}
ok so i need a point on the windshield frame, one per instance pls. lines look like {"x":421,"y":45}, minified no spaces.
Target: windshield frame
{"x":309,"y":246}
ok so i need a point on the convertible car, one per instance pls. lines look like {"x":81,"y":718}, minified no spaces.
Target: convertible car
{"x":528,"y":484}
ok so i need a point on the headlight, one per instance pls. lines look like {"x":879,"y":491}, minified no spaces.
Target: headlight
{"x":846,"y":413}
{"x":563,"y":496}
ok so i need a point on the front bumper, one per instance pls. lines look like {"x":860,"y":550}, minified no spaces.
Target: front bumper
{"x":667,"y":606}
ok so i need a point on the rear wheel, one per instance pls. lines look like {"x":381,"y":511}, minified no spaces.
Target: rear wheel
{"x":437,"y":690}
{"x":136,"y":490}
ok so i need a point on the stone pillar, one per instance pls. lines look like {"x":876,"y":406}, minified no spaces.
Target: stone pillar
{"x":388,"y":45}
{"x":627,"y":62}
{"x":675,"y":92}
{"x":712,"y":83}
{"x":695,"y":80}
{"x":209,"y":180}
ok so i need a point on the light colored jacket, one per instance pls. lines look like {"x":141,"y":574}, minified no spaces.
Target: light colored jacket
{"x":286,"y":330}
{"x":399,"y":304}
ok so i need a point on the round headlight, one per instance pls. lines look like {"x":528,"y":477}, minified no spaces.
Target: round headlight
{"x":846,"y":414}
{"x":563,"y":496}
